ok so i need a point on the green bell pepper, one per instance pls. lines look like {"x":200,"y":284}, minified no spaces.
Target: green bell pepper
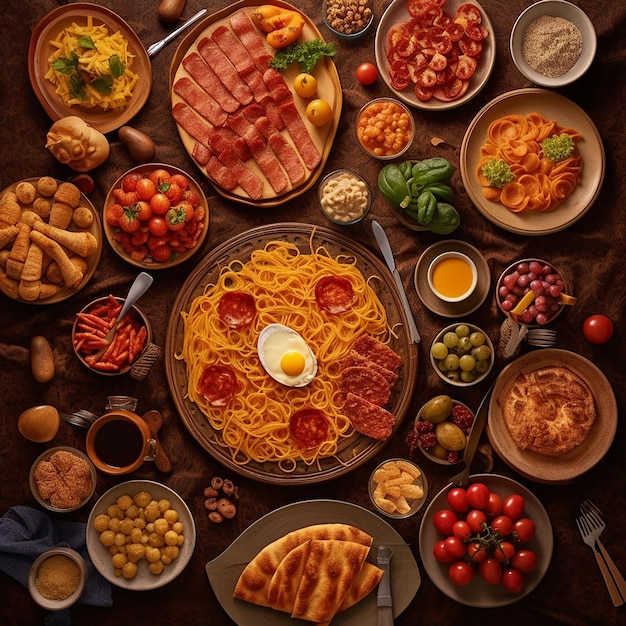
{"x":393,"y":186}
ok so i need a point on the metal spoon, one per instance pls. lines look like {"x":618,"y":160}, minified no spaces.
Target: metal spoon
{"x":156,"y":47}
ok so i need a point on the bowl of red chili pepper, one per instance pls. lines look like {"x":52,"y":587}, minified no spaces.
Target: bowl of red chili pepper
{"x":156,"y":216}
{"x":93,"y":348}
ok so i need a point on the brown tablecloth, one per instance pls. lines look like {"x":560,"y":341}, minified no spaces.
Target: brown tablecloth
{"x":592,"y":252}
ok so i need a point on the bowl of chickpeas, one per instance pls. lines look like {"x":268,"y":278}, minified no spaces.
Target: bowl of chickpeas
{"x":348,"y":19}
{"x":385,"y":128}
{"x":140,"y":535}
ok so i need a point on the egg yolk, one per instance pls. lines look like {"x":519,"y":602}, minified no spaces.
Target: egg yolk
{"x":292,"y":363}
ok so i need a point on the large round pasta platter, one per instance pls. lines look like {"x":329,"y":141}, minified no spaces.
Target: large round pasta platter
{"x":144,"y":580}
{"x":567,"y":114}
{"x":224,"y":571}
{"x":56,"y":287}
{"x":397,"y":13}
{"x":566,"y":467}
{"x":351,"y":449}
{"x":274,"y":153}
{"x":41,"y":48}
{"x":478,"y":593}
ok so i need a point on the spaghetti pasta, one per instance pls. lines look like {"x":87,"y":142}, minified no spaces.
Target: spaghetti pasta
{"x":254,"y":424}
{"x":90,"y":51}
{"x":540,"y":184}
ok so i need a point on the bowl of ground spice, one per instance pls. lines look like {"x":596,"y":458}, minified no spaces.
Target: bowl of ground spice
{"x":553,"y":43}
{"x":62,"y":479}
{"x":57,"y":578}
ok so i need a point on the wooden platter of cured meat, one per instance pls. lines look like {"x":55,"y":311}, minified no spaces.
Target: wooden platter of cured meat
{"x":239,"y":119}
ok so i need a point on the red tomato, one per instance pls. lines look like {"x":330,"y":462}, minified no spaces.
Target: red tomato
{"x":157,"y":226}
{"x":494,"y":506}
{"x":460,"y":573}
{"x":455,"y":547}
{"x":524,"y":560}
{"x":129,"y":222}
{"x":140,"y":237}
{"x":490,"y":571}
{"x":129,"y":182}
{"x":443,"y":521}
{"x":462,"y":530}
{"x":440,"y":552}
{"x":174,"y":193}
{"x":145,"y":189}
{"x":598,"y":329}
{"x":512,"y":581}
{"x":159,"y":176}
{"x":476,"y":553}
{"x":367,"y":73}
{"x":187,"y":208}
{"x":175,"y":219}
{"x":191,"y":196}
{"x":162,"y":254}
{"x":513,"y":506}
{"x":503,"y":525}
{"x":160,"y":203}
{"x":478,"y":495}
{"x":504,"y":551}
{"x":524,"y":529}
{"x":113,"y":214}
{"x":144,"y":210}
{"x":476,"y":520}
{"x":180,"y":180}
{"x":457,"y":499}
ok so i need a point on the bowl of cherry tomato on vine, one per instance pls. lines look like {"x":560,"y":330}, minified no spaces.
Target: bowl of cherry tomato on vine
{"x":155,"y":216}
{"x":487,"y":543}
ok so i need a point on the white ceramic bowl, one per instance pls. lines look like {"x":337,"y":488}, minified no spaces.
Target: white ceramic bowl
{"x":462,"y":285}
{"x":419,"y":480}
{"x":344,"y":29}
{"x":560,"y":9}
{"x":453,"y":377}
{"x":50,"y":603}
{"x":345,"y":197}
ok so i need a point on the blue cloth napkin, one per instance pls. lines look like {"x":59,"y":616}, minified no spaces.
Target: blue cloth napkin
{"x":26,"y":532}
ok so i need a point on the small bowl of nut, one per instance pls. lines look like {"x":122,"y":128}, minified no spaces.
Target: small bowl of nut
{"x":62,"y":479}
{"x":398,"y":488}
{"x":348,"y":19}
{"x":441,"y":428}
{"x":345,"y":197}
{"x":57,"y":578}
{"x":385,"y":128}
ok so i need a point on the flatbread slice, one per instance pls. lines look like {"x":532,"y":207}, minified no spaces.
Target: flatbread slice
{"x":254,"y":581}
{"x":282,"y":590}
{"x":331,"y":569}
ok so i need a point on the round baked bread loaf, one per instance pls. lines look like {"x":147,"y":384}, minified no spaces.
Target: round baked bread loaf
{"x":549,"y":410}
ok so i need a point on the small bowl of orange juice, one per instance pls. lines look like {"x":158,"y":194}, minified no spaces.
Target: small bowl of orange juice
{"x":452,"y":276}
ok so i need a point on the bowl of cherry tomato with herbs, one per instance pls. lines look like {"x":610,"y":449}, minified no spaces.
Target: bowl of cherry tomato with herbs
{"x":488,"y":543}
{"x":156,"y":216}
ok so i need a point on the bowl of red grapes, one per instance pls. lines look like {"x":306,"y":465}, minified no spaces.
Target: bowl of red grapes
{"x":532,"y":292}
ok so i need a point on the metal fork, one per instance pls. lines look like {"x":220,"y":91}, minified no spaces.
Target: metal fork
{"x":594,"y":517}
{"x":589,"y":539}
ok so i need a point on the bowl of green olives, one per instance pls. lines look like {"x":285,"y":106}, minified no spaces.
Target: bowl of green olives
{"x":462,"y":354}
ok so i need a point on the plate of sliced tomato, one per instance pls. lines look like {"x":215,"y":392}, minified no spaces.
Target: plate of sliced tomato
{"x":435,"y":54}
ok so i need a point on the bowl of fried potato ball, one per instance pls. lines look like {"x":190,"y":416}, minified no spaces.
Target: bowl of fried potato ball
{"x":140,"y":535}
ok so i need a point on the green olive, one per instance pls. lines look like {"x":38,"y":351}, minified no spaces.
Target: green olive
{"x":450,"y":436}
{"x":437,"y":409}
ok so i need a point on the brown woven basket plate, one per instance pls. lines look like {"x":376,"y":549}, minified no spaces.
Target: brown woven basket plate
{"x":355,"y":450}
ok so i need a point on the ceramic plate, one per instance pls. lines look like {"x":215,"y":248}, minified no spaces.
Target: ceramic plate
{"x":568,"y":466}
{"x":224,"y":571}
{"x":328,"y":88}
{"x":40,"y":49}
{"x":354,"y":450}
{"x":439,"y":306}
{"x":148,"y":262}
{"x":144,"y":580}
{"x":397,"y":13}
{"x":92,"y":260}
{"x":478,"y":593}
{"x":566,"y":113}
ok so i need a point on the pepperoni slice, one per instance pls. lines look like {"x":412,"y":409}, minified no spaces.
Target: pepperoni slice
{"x":334,"y":294}
{"x":218,"y":384}
{"x":466,"y":67}
{"x":236,"y":309}
{"x":309,"y":428}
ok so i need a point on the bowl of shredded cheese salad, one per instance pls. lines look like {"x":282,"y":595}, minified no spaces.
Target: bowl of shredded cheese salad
{"x":85,"y":60}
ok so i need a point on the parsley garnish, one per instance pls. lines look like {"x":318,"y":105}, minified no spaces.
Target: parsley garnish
{"x":306,"y":54}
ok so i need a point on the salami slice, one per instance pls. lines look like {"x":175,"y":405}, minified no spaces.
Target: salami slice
{"x":374,"y":350}
{"x":369,"y":419}
{"x":236,"y":309}
{"x":308,"y":427}
{"x":366,"y":383}
{"x":218,"y":384}
{"x":334,"y":294}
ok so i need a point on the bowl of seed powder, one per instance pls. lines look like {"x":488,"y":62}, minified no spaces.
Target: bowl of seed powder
{"x":553,"y":43}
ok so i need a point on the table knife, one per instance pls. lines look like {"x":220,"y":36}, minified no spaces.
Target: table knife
{"x":384,"y":601}
{"x":385,"y":248}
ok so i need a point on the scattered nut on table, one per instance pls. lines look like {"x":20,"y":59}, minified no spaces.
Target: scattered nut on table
{"x":221,"y":499}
